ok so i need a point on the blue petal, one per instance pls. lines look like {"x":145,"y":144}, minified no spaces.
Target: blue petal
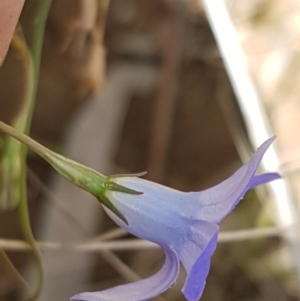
{"x":215,"y":203}
{"x":195,"y":251}
{"x":196,"y":279}
{"x":141,"y":290}
{"x":193,"y":241}
{"x":264,"y":178}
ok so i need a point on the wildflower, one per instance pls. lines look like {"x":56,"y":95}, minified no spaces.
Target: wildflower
{"x":183,"y":224}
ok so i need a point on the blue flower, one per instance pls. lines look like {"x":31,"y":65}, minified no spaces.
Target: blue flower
{"x":183,"y":224}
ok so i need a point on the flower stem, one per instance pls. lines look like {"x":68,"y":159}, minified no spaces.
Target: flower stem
{"x":84,"y":177}
{"x":23,"y":123}
{"x":13,"y":161}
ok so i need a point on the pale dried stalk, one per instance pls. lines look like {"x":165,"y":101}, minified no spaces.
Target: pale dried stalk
{"x":138,"y":244}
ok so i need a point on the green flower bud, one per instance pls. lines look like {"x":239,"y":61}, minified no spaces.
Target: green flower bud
{"x":84,"y":177}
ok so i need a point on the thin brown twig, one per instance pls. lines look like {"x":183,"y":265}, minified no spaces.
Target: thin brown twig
{"x":13,"y":270}
{"x":110,"y":234}
{"x":165,"y":102}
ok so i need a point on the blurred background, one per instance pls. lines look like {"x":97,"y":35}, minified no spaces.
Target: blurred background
{"x":143,"y":86}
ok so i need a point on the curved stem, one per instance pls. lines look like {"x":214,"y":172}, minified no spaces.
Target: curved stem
{"x":13,"y":161}
{"x":37,"y":34}
{"x":35,"y":46}
{"x":22,"y":123}
{"x":27,"y":232}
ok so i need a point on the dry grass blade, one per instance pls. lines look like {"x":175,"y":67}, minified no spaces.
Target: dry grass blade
{"x":10,"y":272}
{"x":138,"y":244}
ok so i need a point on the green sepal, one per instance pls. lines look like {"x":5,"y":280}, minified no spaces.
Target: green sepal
{"x":104,"y":200}
{"x":139,"y":174}
{"x":110,"y":185}
{"x":89,"y":180}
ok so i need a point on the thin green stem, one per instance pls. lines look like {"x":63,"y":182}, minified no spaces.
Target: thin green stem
{"x":22,"y":123}
{"x":13,"y":161}
{"x":80,"y":175}
{"x":27,"y":232}
{"x":30,"y":55}
{"x":20,"y":151}
{"x":37,"y":34}
{"x":35,"y":46}
{"x":48,"y":155}
{"x":11,"y":157}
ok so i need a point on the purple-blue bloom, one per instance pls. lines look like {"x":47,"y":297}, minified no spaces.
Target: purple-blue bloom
{"x":183,"y":224}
